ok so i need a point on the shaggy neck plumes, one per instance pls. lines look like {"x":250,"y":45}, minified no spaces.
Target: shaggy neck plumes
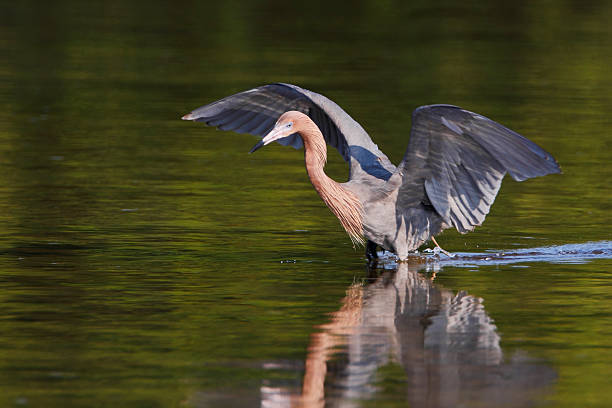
{"x":343,"y":203}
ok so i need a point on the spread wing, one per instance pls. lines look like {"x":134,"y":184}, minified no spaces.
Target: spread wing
{"x":255,"y":112}
{"x":456,"y":160}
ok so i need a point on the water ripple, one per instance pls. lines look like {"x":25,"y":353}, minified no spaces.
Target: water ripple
{"x":556,"y":254}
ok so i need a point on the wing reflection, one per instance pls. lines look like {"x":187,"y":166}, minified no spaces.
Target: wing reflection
{"x":446,"y":345}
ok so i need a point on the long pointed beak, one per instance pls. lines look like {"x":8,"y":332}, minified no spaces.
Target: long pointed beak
{"x":257,"y":146}
{"x":274,"y":134}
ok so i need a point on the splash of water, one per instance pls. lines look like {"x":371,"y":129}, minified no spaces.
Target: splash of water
{"x":568,"y":253}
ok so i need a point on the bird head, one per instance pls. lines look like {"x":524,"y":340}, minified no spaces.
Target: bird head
{"x":285,"y":126}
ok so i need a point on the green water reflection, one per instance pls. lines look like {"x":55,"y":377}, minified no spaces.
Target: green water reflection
{"x":142,"y":258}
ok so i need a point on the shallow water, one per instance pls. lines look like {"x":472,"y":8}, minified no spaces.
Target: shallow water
{"x":569,"y":253}
{"x":146,"y":261}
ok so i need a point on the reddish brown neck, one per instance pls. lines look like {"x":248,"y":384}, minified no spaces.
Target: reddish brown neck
{"x":344,"y":204}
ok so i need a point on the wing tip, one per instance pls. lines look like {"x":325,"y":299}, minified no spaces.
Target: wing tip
{"x":543,"y":168}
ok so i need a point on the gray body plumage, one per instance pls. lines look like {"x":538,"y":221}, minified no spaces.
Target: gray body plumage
{"x":449,"y":176}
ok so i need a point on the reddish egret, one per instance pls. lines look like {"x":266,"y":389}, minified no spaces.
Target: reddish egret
{"x":449,"y":176}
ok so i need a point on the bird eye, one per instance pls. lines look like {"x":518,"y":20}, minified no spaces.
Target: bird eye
{"x":289,"y":125}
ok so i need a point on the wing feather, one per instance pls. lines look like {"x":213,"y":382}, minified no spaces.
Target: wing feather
{"x":460,"y":158}
{"x":255,"y":111}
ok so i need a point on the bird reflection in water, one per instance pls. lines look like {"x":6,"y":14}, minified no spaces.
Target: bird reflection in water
{"x":446,"y":344}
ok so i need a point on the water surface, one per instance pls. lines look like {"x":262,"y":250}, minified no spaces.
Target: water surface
{"x":146,"y":261}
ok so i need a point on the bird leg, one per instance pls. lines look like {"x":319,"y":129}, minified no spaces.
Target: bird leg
{"x":371,"y":253}
{"x":445,"y":252}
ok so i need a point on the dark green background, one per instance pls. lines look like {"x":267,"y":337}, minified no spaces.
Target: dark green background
{"x":141,"y":256}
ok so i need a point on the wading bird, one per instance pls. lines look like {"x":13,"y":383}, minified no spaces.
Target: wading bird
{"x":449,"y":176}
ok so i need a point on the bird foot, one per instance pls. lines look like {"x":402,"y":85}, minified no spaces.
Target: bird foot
{"x":445,"y":252}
